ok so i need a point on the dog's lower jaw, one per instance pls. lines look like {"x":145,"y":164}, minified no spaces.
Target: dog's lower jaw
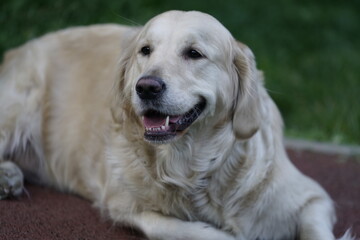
{"x":160,"y":138}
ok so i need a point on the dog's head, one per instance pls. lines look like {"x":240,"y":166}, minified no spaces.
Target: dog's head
{"x":183,"y":69}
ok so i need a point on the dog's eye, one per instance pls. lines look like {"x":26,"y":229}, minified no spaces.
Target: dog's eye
{"x":193,"y":54}
{"x":145,"y":51}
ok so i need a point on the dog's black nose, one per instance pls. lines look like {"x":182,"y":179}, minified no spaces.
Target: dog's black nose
{"x":150,"y":87}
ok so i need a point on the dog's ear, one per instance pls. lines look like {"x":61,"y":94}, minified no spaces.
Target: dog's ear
{"x":247,"y":115}
{"x":118,"y":93}
{"x":120,"y":97}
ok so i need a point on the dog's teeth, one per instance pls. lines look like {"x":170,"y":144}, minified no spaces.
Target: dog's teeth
{"x":167,"y":121}
{"x":155,"y":129}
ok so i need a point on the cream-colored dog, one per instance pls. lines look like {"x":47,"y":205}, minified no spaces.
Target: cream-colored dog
{"x":167,"y":128}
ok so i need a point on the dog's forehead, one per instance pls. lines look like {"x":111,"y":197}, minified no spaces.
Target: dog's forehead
{"x":186,"y":25}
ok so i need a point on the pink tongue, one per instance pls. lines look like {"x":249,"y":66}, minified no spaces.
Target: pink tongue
{"x":174,"y":119}
{"x":158,"y":121}
{"x":154,"y":121}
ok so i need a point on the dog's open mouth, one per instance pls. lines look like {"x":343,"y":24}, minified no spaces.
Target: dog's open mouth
{"x":161,"y":128}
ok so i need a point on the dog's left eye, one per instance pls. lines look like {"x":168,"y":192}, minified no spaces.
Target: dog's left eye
{"x":146,"y":50}
{"x":193,"y":54}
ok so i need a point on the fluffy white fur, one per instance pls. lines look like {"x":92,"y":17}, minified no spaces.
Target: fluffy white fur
{"x":70,"y":118}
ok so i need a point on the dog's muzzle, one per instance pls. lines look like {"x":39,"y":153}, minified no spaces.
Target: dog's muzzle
{"x":160,"y":127}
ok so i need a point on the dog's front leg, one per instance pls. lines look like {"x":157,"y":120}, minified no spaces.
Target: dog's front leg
{"x":316,"y":220}
{"x":160,"y":227}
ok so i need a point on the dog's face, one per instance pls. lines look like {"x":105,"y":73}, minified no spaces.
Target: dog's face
{"x":182,"y":68}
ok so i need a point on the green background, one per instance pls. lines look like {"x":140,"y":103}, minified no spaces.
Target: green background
{"x":309,"y":50}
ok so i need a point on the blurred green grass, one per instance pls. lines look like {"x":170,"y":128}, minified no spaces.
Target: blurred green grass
{"x":309,"y":50}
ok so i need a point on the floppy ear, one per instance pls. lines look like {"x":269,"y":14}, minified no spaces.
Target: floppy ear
{"x":121,"y":99}
{"x":118,"y":93}
{"x":247,"y":116}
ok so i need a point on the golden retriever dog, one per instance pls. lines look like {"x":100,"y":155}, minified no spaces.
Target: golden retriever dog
{"x":166,"y":128}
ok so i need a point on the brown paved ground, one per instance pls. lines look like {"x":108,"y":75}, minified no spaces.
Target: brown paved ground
{"x":341,"y":178}
{"x":49,"y":215}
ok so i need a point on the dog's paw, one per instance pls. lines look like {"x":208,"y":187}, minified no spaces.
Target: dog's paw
{"x":209,"y":232}
{"x":11,"y":180}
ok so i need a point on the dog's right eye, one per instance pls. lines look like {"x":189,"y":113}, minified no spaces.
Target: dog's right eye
{"x":145,"y":51}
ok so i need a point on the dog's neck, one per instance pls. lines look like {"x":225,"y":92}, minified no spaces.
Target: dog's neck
{"x":196,"y":156}
{"x":197,"y":170}
{"x":204,"y":171}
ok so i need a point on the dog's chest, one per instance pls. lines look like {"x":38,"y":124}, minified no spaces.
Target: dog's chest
{"x":200,"y":203}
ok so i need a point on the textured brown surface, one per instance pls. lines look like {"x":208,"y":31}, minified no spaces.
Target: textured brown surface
{"x":46,"y":214}
{"x":340,"y":177}
{"x":49,"y":215}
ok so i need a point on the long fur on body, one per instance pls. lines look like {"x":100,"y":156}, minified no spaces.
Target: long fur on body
{"x":71,"y":119}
